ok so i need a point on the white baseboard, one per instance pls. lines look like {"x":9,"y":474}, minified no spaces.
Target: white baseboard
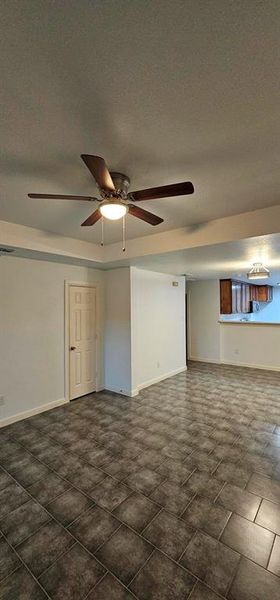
{"x":130,"y":393}
{"x":161,"y":378}
{"x":204,"y":360}
{"x":235,"y":364}
{"x":250,"y":366}
{"x":32,"y":411}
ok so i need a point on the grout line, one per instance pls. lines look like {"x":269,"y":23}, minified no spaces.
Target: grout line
{"x":142,"y":566}
{"x":234,"y":575}
{"x":26,"y":566}
{"x":271,"y":550}
{"x":86,"y":494}
{"x":150,"y":522}
{"x":258,"y":510}
{"x":96,"y":584}
{"x":221,"y":533}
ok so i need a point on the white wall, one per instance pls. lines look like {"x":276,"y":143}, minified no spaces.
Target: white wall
{"x":158,"y":326}
{"x":118,"y":331}
{"x":203,"y":316}
{"x":254,"y":345}
{"x":251,"y":345}
{"x":32,"y":331}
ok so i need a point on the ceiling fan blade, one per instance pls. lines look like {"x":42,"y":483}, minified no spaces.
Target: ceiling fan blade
{"x":164,"y":191}
{"x":92,"y":219}
{"x":63,"y":197}
{"x":144,"y":215}
{"x":99,"y":170}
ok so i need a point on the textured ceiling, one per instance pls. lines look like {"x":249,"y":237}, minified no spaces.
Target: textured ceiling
{"x":231,"y":259}
{"x":165,"y":91}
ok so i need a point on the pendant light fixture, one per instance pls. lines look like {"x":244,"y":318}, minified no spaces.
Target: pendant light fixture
{"x":258,"y":271}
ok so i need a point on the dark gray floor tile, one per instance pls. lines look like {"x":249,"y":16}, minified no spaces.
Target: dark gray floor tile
{"x":239,"y":501}
{"x":42,"y":548}
{"x":21,"y":586}
{"x":86,"y":477}
{"x":8,"y":447}
{"x":172,"y":497}
{"x":258,"y":464}
{"x":254,"y":583}
{"x":23,"y":521}
{"x":49,"y":452}
{"x":249,"y":539}
{"x":66,"y":463}
{"x":48,"y":488}
{"x":151,"y":459}
{"x":136,"y":511}
{"x":94,"y":527}
{"x":11,"y":497}
{"x":162,"y":579}
{"x":269,"y":516}
{"x":5,"y":479}
{"x":68,"y":506}
{"x":203,"y":484}
{"x":265,"y":487}
{"x":122,"y":468}
{"x":274,"y":562}
{"x":201,"y":513}
{"x":169,"y":534}
{"x":17,"y":460}
{"x":174,"y":470}
{"x":228,"y":453}
{"x":8,"y":559}
{"x":81,"y":446}
{"x":233,"y":473}
{"x":124,"y":554}
{"x":98,"y":457}
{"x":201,"y":461}
{"x":31,"y":473}
{"x":73,"y":575}
{"x":144,"y":480}
{"x":174,"y":451}
{"x":110,"y":588}
{"x":209,"y":409}
{"x":211,"y":561}
{"x":110,"y":493}
{"x":202,"y":592}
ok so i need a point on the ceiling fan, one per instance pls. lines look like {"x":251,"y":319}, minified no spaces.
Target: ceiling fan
{"x":116,"y":201}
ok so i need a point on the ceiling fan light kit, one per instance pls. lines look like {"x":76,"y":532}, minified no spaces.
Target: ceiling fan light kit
{"x":258,"y":271}
{"x":113,"y":210}
{"x":116,"y":201}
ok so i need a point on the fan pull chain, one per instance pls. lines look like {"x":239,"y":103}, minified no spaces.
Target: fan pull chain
{"x":102,"y":231}
{"x":123,"y":233}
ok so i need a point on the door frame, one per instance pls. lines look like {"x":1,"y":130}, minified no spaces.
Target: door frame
{"x":98,"y":369}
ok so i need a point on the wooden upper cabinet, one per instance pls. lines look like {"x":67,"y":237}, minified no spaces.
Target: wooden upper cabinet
{"x":235,"y":296}
{"x":264,"y":293}
{"x":227,"y":302}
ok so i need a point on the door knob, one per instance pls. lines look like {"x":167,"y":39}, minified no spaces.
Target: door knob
{"x":72,"y":347}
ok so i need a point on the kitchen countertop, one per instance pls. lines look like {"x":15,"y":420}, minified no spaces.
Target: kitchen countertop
{"x":248,"y":322}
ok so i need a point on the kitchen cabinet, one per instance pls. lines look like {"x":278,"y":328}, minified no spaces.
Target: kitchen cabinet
{"x":236,"y":296}
{"x":263,"y":293}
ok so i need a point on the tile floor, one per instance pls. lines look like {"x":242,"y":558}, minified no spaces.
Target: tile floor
{"x":174,"y":494}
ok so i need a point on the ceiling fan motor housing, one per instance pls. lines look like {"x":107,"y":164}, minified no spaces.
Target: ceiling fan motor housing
{"x":121,"y":183}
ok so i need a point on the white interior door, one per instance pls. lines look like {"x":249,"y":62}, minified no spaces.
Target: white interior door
{"x":82,"y":340}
